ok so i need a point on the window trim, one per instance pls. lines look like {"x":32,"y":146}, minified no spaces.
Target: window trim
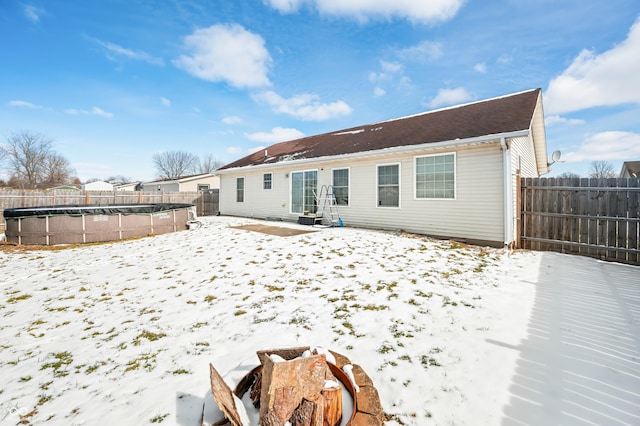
{"x":244,"y":187}
{"x":270,"y":181}
{"x":348,"y":169}
{"x":455,"y":177}
{"x":377,"y":189}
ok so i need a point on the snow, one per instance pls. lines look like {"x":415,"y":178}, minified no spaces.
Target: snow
{"x":122,"y":333}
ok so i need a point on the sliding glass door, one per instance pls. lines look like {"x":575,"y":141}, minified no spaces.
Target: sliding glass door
{"x":304,"y":185}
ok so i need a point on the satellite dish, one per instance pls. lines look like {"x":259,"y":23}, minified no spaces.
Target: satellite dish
{"x":556,"y":156}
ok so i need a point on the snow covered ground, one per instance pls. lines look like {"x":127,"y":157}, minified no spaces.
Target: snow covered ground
{"x":122,"y":333}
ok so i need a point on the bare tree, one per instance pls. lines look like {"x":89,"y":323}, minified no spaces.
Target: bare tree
{"x":26,"y":153}
{"x":175,"y":164}
{"x":118,"y":180}
{"x":568,"y":175}
{"x":601,"y":169}
{"x":208,"y":164}
{"x":56,"y":170}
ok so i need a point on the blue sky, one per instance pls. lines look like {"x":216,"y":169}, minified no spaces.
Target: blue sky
{"x":114,"y":82}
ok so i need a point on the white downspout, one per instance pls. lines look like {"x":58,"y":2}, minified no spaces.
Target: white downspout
{"x":508,"y":193}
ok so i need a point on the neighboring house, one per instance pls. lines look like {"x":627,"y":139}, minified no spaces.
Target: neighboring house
{"x":97,"y":186}
{"x":445,"y":173}
{"x":630,"y":169}
{"x":200,"y":182}
{"x":131,"y":186}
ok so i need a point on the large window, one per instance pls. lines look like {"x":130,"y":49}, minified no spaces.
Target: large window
{"x":240,"y":190}
{"x":389,"y":185}
{"x":341,"y":186}
{"x":304,"y":185}
{"x":267,"y":179}
{"x":436,"y":176}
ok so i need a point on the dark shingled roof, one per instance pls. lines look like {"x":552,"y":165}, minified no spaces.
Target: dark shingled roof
{"x":506,"y":114}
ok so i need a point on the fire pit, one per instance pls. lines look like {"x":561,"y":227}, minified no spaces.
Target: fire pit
{"x":298,"y":387}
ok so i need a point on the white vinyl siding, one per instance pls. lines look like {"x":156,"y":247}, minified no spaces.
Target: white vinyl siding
{"x":476,"y":213}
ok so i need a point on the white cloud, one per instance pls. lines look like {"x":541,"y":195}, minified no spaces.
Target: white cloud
{"x":610,"y":146}
{"x":231,"y":119}
{"x":304,"y":106}
{"x":93,"y":111}
{"x":196,"y":110}
{"x":114,"y":51}
{"x":421,"y":52}
{"x":551,"y":120}
{"x":389,"y":70}
{"x":234,"y":150}
{"x":165,"y":102}
{"x":23,"y":104}
{"x":378,"y":92}
{"x":481,"y":68}
{"x":227,"y":53}
{"x":284,"y":6}
{"x":505,"y":59}
{"x":591,"y":80}
{"x":33,"y":13}
{"x":446,"y":97}
{"x":363,"y":10}
{"x":277,"y":134}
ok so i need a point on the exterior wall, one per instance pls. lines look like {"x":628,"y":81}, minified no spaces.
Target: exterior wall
{"x":97,"y":186}
{"x":192,"y":185}
{"x":476,"y":213}
{"x":171,"y":186}
{"x":523,"y":158}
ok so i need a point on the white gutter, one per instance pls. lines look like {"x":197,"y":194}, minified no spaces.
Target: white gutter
{"x":508,"y":193}
{"x":394,"y":150}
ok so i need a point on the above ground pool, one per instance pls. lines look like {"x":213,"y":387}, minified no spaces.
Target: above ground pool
{"x":76,"y":224}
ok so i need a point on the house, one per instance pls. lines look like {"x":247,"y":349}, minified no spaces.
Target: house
{"x":445,"y":173}
{"x":200,"y":182}
{"x":97,"y":186}
{"x":130,"y":186}
{"x":630,"y":169}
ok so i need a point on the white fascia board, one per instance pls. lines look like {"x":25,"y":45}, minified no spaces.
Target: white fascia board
{"x":386,"y":151}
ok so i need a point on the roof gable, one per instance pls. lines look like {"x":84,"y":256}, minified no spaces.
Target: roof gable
{"x":505,"y":114}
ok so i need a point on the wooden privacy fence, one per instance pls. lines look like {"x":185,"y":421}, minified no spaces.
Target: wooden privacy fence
{"x":206,"y":202}
{"x":590,"y":217}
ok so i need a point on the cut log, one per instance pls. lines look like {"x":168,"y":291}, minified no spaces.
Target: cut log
{"x":224,"y":397}
{"x":303,"y":415}
{"x":332,"y":405}
{"x":255,"y":390}
{"x":285,"y":384}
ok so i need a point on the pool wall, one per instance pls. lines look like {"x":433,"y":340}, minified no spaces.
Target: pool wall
{"x":53,"y":225}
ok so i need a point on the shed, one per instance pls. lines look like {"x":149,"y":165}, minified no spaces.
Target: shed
{"x":98,"y":185}
{"x":446,"y":173}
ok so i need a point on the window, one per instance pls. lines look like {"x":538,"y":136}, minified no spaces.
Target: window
{"x":303,"y":188}
{"x":389,"y":185}
{"x":203,"y":187}
{"x":240,"y":190}
{"x":341,"y":186}
{"x":436,"y":176}
{"x":266,"y":180}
